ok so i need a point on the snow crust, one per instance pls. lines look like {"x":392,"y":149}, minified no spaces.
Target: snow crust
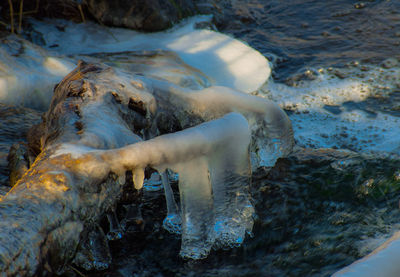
{"x":28,"y":73}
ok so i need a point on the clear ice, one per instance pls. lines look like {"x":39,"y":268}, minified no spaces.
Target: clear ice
{"x":115,"y":232}
{"x":215,"y":202}
{"x":172,"y":222}
{"x":215,"y":207}
{"x":212,"y":160}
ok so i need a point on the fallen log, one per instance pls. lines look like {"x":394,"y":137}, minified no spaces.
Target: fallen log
{"x":93,"y":133}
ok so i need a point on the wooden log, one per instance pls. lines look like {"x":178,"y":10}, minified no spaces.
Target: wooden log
{"x":44,"y":214}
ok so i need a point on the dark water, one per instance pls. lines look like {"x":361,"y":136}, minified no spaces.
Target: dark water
{"x":310,"y":34}
{"x":318,"y":210}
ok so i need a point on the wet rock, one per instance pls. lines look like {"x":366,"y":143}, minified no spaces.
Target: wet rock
{"x":340,"y":74}
{"x":153,"y":15}
{"x":306,"y":75}
{"x":359,"y":5}
{"x":389,"y":63}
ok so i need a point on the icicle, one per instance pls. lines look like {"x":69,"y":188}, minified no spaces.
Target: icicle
{"x":172,"y":223}
{"x":115,"y":232}
{"x":230,"y":175}
{"x":212,"y":160}
{"x":138,"y":177}
{"x":121,"y":179}
{"x":153,"y":183}
{"x":197,"y":209}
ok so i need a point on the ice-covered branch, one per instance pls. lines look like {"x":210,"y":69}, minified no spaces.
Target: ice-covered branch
{"x":271,"y":128}
{"x":103,"y":122}
{"x":165,"y":151}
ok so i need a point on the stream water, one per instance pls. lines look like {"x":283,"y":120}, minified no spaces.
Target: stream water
{"x":335,"y":70}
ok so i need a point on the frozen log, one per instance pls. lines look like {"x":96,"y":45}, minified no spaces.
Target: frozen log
{"x":92,"y":134}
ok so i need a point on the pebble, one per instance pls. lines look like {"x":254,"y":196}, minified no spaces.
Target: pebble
{"x":389,"y":63}
{"x":359,"y":5}
{"x":340,"y":74}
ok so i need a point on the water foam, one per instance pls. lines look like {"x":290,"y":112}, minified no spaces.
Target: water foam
{"x":337,"y":112}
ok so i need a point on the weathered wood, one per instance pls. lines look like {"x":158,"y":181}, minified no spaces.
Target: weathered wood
{"x":96,"y":117}
{"x":55,"y":200}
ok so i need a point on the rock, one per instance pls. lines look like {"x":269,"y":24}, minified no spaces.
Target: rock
{"x":389,"y":63}
{"x":152,"y":15}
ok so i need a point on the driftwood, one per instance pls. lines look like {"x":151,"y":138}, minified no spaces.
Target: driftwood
{"x":92,"y":134}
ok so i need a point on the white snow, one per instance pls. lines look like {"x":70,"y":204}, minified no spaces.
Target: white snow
{"x":28,"y":77}
{"x":227,"y":61}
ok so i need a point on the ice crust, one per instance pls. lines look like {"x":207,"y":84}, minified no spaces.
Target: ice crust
{"x":212,"y":159}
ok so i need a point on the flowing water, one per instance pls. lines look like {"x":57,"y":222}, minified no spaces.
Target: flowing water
{"x":300,"y":35}
{"x":336,"y":72}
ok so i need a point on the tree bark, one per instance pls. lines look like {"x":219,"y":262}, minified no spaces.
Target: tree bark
{"x":45,"y":213}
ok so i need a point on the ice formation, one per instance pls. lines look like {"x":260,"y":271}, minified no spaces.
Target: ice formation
{"x":172,"y":221}
{"x":212,"y":160}
{"x":331,"y":112}
{"x":201,"y":75}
